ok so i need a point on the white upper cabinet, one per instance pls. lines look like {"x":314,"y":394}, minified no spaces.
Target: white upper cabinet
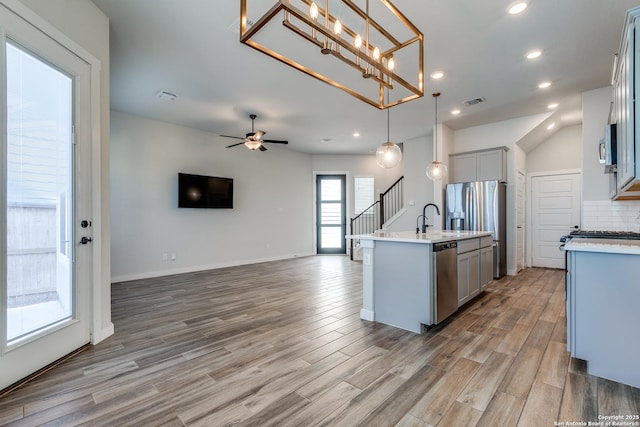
{"x":483,"y":165}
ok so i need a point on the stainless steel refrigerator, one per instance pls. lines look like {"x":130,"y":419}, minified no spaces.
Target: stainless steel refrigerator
{"x":480,"y":206}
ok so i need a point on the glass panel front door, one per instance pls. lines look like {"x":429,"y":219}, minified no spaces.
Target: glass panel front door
{"x":331,"y":214}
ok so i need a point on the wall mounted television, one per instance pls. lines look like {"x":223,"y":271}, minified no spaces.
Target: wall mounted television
{"x":207,"y":192}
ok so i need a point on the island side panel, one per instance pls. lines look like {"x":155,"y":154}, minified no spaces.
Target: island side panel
{"x":368,"y":257}
{"x":402,"y":284}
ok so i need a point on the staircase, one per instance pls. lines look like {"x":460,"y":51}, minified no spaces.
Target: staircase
{"x":377,"y":215}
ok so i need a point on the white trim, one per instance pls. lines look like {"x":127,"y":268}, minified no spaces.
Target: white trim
{"x":21,"y":10}
{"x":102,"y":334}
{"x":394,"y":218}
{"x":3,"y":195}
{"x":192,"y":269}
{"x":34,"y":19}
{"x":367,"y":315}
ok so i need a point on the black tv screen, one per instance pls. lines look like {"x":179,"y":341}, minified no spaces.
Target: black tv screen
{"x":208,"y":192}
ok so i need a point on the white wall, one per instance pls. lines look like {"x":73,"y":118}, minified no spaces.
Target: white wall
{"x":563,"y":150}
{"x":271,"y":219}
{"x":92,"y":34}
{"x":595,"y":114}
{"x":417,"y":187}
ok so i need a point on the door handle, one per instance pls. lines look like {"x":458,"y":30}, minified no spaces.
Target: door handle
{"x":84,"y":240}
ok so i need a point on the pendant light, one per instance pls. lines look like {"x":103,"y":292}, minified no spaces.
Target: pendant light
{"x":388,"y":155}
{"x":436,"y":170}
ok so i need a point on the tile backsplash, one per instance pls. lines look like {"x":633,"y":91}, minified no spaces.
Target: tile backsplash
{"x":611,"y":216}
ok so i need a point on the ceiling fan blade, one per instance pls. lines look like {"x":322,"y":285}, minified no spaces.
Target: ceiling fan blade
{"x":263,"y":148}
{"x":258,"y":135}
{"x":273,"y":141}
{"x":228,"y":136}
{"x":234,"y":145}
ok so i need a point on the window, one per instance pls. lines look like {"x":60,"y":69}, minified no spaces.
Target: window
{"x":364,"y":193}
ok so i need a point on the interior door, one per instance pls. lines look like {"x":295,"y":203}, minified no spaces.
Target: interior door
{"x":331,"y":214}
{"x":45,"y":216}
{"x":555,"y":212}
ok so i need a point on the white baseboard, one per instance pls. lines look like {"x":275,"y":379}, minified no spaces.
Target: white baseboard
{"x":367,"y":315}
{"x":394,"y":218}
{"x":191,"y":269}
{"x":102,"y":334}
{"x":512,"y":272}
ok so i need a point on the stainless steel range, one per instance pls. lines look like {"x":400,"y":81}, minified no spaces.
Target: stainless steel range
{"x":597,"y":234}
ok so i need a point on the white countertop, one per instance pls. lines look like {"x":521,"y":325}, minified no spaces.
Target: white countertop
{"x":431,"y":236}
{"x":614,"y":246}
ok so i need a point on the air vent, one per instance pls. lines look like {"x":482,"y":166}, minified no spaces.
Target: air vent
{"x":235,"y":25}
{"x":167,"y":96}
{"x":474,"y":101}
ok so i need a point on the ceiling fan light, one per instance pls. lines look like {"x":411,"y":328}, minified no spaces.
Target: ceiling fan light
{"x":252,"y":145}
{"x":388,"y":155}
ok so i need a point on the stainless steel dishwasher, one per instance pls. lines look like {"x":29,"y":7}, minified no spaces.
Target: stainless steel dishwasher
{"x":446,"y":267}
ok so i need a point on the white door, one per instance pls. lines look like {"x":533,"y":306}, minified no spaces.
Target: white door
{"x":555,"y":211}
{"x":520,"y":222}
{"x":45,"y":200}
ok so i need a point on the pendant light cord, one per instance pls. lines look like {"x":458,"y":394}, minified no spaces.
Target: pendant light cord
{"x":388,"y":121}
{"x":435,"y":129}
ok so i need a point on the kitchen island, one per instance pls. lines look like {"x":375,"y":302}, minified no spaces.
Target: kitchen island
{"x":400,"y":277}
{"x":603,"y":293}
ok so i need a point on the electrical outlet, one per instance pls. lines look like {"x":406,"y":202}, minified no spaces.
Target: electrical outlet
{"x":366,"y":259}
{"x":173,"y":256}
{"x":165,"y":256}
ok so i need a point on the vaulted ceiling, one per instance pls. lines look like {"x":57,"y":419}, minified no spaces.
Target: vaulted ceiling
{"x":190,"y":48}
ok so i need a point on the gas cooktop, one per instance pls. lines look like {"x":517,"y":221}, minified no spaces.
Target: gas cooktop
{"x":598,"y":234}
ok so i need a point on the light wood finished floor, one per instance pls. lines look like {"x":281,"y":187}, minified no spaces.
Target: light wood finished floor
{"x":281,"y":343}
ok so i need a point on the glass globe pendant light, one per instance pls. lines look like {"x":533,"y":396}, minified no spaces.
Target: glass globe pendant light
{"x":388,"y":155}
{"x":436,"y":170}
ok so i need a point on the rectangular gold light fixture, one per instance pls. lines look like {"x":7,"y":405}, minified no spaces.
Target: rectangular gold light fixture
{"x":381,"y":59}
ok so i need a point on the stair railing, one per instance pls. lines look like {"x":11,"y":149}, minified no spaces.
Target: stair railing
{"x":380,"y":211}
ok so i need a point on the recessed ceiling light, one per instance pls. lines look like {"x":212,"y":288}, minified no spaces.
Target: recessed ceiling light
{"x":517,"y":7}
{"x":552,"y":106}
{"x":356,"y":134}
{"x":551,"y":126}
{"x":437,"y":75}
{"x":455,"y":112}
{"x":544,"y":85}
{"x":533,"y":54}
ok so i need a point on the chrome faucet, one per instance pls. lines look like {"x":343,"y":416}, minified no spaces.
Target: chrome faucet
{"x":424,"y":215}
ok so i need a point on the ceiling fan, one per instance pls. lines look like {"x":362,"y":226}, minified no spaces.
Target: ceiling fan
{"x":253,"y":140}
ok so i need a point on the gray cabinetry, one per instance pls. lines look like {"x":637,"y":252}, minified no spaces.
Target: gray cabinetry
{"x":468,"y":270}
{"x":464,"y":167}
{"x":602,"y":313}
{"x":484,"y":165}
{"x":486,"y":261}
{"x":625,"y":90}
